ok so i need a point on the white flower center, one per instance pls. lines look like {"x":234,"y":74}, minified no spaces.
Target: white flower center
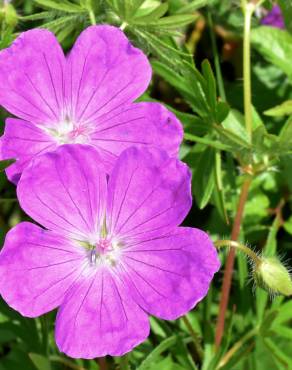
{"x":106,"y":251}
{"x":69,"y":132}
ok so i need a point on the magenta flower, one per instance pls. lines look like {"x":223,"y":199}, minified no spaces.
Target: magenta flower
{"x":86,"y":97}
{"x":111,"y":252}
{"x":274,"y":18}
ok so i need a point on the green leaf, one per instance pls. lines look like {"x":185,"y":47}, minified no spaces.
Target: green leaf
{"x":136,"y":4}
{"x":6,"y":163}
{"x":204,"y":177}
{"x":61,"y":22}
{"x":210,"y":87}
{"x":163,"y":48}
{"x":267,"y":322}
{"x":41,"y":362}
{"x":280,"y":110}
{"x":176,"y":21}
{"x":283,"y":331}
{"x":287,"y":13}
{"x":173,"y":78}
{"x":7,"y":333}
{"x":221,"y":111}
{"x":17,"y":359}
{"x":256,"y":119}
{"x":275,"y":45}
{"x":231,"y":139}
{"x":155,"y":354}
{"x":37,"y":16}
{"x":63,"y":5}
{"x":206,"y":141}
{"x":284,"y":313}
{"x":288,"y":225}
{"x":234,"y":123}
{"x":147,"y":19}
{"x":278,"y":353}
{"x":192,"y":6}
{"x":286,"y":132}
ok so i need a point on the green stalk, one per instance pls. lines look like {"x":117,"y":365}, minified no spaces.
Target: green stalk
{"x":45,"y":332}
{"x":219,"y":77}
{"x":92,"y":17}
{"x":248,"y":9}
{"x":198,"y":348}
{"x":91,"y":14}
{"x":233,"y":244}
{"x":123,"y":26}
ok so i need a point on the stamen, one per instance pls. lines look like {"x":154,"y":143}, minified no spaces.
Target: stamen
{"x":93,"y":256}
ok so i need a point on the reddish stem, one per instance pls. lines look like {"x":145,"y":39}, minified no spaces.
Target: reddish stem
{"x":225,"y":290}
{"x":102,"y":363}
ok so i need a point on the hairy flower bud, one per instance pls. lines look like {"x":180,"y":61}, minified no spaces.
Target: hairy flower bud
{"x":8,"y":14}
{"x":272,"y":275}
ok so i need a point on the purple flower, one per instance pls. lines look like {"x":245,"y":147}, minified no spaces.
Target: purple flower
{"x":86,"y":97}
{"x":274,"y":18}
{"x":112,"y":251}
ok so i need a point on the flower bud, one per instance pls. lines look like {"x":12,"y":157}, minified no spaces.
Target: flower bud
{"x":11,"y":16}
{"x":8,"y":14}
{"x":272,"y":275}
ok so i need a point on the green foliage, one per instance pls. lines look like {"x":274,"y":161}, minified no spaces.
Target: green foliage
{"x":4,"y":164}
{"x":275,"y":45}
{"x":175,"y":34}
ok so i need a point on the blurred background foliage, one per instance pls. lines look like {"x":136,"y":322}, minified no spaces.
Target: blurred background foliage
{"x":195,"y":47}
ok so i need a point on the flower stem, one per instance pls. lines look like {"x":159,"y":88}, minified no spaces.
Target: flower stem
{"x":225,"y":290}
{"x":45,"y":332}
{"x":233,"y":244}
{"x":248,"y":9}
{"x":102,"y":363}
{"x":123,"y":26}
{"x":90,"y":10}
{"x":198,"y":349}
{"x":92,"y":17}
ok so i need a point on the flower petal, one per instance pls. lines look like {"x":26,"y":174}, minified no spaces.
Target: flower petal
{"x":169,"y":274}
{"x":23,"y":141}
{"x":65,"y":191}
{"x":105,"y":71}
{"x":98,"y":319}
{"x":36,"y":269}
{"x":32,"y":72}
{"x":147,"y":191}
{"x":140,"y":124}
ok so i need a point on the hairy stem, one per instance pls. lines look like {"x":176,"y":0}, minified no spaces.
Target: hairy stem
{"x":233,"y":244}
{"x":225,"y":290}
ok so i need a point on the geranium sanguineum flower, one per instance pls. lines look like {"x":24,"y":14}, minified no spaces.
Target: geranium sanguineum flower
{"x":112,"y":251}
{"x":86,"y":97}
{"x":274,"y":18}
